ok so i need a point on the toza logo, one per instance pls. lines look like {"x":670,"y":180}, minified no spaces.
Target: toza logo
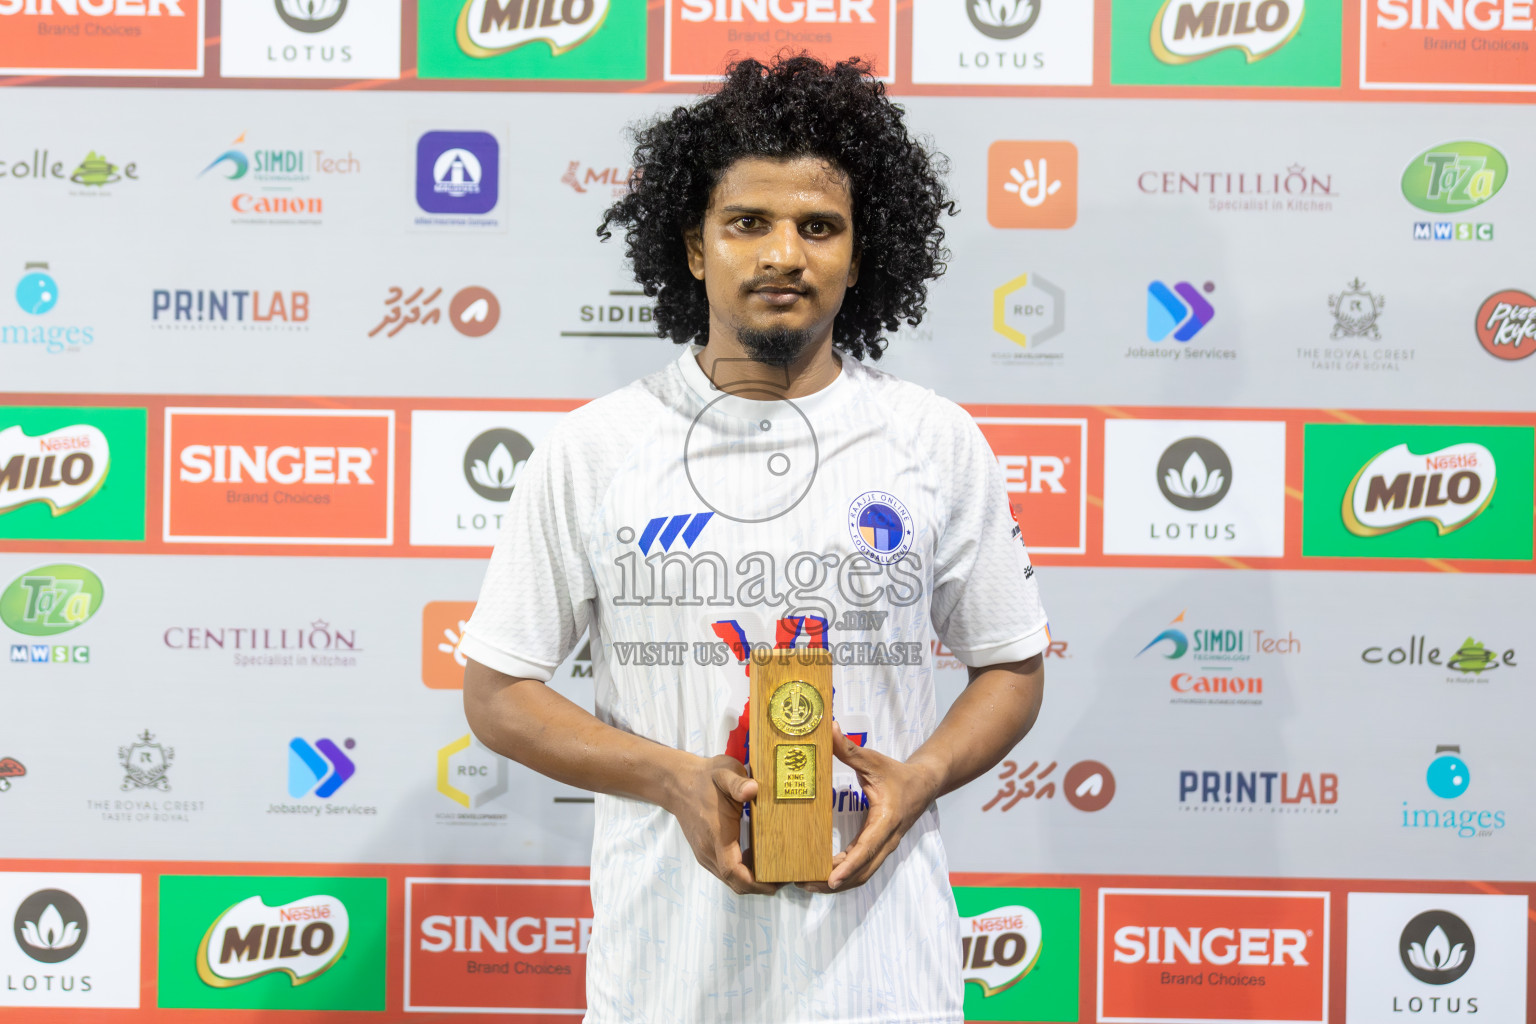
{"x":51,"y":599}
{"x":488,"y":28}
{"x":1450,"y":488}
{"x":302,"y":939}
{"x":1184,"y":31}
{"x":310,"y":15}
{"x":1437,"y":947}
{"x":1454,"y":176}
{"x":50,"y":926}
{"x":1355,"y":311}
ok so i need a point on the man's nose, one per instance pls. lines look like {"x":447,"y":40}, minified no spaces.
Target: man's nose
{"x":783,"y":248}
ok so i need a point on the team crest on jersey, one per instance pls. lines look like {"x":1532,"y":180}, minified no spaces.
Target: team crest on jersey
{"x":881,"y":527}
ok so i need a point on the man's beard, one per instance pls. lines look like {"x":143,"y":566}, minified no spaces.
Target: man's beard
{"x":777,"y":346}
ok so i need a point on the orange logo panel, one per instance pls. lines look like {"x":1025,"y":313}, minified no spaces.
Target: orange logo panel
{"x":1042,"y":463}
{"x":1478,"y":46}
{"x":102,"y":36}
{"x":442,"y":628}
{"x":705,"y":35}
{"x":255,"y":476}
{"x":1032,"y":184}
{"x":1175,"y":955}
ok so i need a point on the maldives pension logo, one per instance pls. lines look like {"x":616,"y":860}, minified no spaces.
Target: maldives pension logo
{"x":279,"y":476}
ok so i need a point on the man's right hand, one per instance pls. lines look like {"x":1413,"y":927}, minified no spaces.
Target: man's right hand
{"x":707,"y":804}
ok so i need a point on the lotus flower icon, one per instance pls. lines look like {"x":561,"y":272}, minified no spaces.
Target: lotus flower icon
{"x":50,"y":926}
{"x":498,"y":472}
{"x":51,"y":931}
{"x":1194,"y":480}
{"x":1194,"y":474}
{"x":1003,"y":19}
{"x":493,"y":461}
{"x":1437,"y":947}
{"x":1435,"y":954}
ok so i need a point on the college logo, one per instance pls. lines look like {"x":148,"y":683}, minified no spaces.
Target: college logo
{"x":570,"y":39}
{"x":1032,"y":184}
{"x":279,"y":476}
{"x":442,"y":630}
{"x":464,"y":466}
{"x":151,"y":37}
{"x":1185,"y":31}
{"x":1454,"y":177}
{"x":1221,"y":42}
{"x":74,"y":940}
{"x":60,"y":469}
{"x":701,"y":33}
{"x":51,"y":926}
{"x":50,"y":600}
{"x":457,"y":172}
{"x":496,"y":945}
{"x":92,"y":174}
{"x":146,"y":763}
{"x":10,"y":768}
{"x":310,"y":15}
{"x":1471,"y":658}
{"x":1180,"y":955}
{"x":1001,"y":42}
{"x":880,"y":525}
{"x":473,"y":311}
{"x":1181,"y":310}
{"x":1199,"y":488}
{"x":470,"y":774}
{"x":1449,"y":778}
{"x":1043,"y":462}
{"x":1019,"y":953}
{"x":1506,"y":324}
{"x":1417,"y":491}
{"x":1462,"y":45}
{"x":272,"y":943}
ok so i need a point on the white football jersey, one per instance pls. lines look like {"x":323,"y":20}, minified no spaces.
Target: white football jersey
{"x":682,"y":527}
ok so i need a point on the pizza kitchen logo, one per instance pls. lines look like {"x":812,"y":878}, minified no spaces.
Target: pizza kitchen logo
{"x":1449,"y":488}
{"x":1506,"y":324}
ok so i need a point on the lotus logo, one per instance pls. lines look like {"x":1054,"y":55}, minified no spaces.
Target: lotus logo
{"x":488,"y":28}
{"x":50,"y":926}
{"x":493,"y":460}
{"x":1194,"y":474}
{"x":63,"y":468}
{"x":1003,"y":19}
{"x":1186,"y":31}
{"x":302,"y":939}
{"x":1450,"y":488}
{"x":1437,"y":947}
{"x":311,"y":15}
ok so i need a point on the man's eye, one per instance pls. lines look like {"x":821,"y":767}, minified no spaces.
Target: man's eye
{"x":745,"y":223}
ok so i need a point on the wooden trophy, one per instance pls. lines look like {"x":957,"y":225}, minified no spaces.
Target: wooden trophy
{"x":791,"y":756}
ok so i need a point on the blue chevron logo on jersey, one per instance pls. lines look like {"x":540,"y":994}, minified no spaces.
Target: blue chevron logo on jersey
{"x":663,"y":530}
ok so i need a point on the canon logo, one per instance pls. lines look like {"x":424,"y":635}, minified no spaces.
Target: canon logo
{"x":464,"y":934}
{"x":283,"y":464}
{"x":1154,"y":944}
{"x":779,"y":10}
{"x":1480,"y":15}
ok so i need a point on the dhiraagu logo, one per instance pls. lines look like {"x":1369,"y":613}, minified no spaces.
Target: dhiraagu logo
{"x":1019,"y":953}
{"x":272,"y":943}
{"x":1454,"y":176}
{"x":50,"y":600}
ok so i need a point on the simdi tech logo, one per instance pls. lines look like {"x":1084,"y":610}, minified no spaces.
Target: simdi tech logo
{"x":1019,"y":952}
{"x":279,"y":476}
{"x":70,"y":940}
{"x":102,"y":37}
{"x":1472,"y":45}
{"x":1031,"y":184}
{"x":1215,"y":955}
{"x":532,"y":39}
{"x":1002,"y":42}
{"x":1227,"y":42}
{"x":71,"y":473}
{"x":310,"y":39}
{"x":1418,"y":491}
{"x":272,"y":943}
{"x":1044,"y":463}
{"x":702,"y":35}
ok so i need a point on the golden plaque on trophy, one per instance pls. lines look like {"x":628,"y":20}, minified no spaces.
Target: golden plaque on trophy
{"x":791,"y":740}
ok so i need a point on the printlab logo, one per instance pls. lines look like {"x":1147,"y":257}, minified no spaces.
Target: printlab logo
{"x":51,"y":926}
{"x":1453,"y":178}
{"x":1032,"y":184}
{"x":1194,"y":474}
{"x":493,"y":460}
{"x":145,"y":764}
{"x":457,"y":173}
{"x":1449,"y":778}
{"x":310,"y":16}
{"x":1506,"y":324}
{"x":474,"y":311}
{"x":10,"y":768}
{"x":209,"y":309}
{"x":318,"y":769}
{"x":1222,"y":42}
{"x":36,"y":294}
{"x":1181,"y":311}
{"x":1244,"y":792}
{"x":1087,"y":785}
{"x":1437,"y":947}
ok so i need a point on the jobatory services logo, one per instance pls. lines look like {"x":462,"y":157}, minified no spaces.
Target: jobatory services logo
{"x":464,"y":468}
{"x":279,"y":476}
{"x":1189,"y":487}
{"x":1448,"y":778}
{"x":1461,"y":45}
{"x":1506,"y":324}
{"x":531,"y":39}
{"x":1087,"y":785}
{"x":72,"y":473}
{"x":1019,"y":952}
{"x":163,"y":38}
{"x":73,"y":942}
{"x":1028,"y":311}
{"x":1176,"y":955}
{"x":1222,"y":42}
{"x":276,"y":183}
{"x":1044,"y":462}
{"x":1454,"y":177}
{"x":1437,"y":955}
{"x":496,"y":945}
{"x":473,"y":311}
{"x":1002,"y":42}
{"x":700,"y":34}
{"x":1032,"y":184}
{"x":272,"y":942}
{"x":1181,"y":311}
{"x":442,"y":630}
{"x":1417,"y":491}
{"x":318,"y":769}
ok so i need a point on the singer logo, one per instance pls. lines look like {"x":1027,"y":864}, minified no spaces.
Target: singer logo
{"x":1447,"y":44}
{"x":701,"y":33}
{"x":1449,"y":488}
{"x":279,"y":476}
{"x":102,"y":37}
{"x":1212,"y":955}
{"x":496,"y":945}
{"x":1042,"y":462}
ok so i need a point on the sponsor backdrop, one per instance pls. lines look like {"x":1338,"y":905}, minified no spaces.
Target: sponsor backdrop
{"x":1240,"y":295}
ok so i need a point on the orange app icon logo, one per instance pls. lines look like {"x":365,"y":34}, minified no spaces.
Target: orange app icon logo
{"x":442,"y":630}
{"x":1043,"y":464}
{"x":1032,"y":185}
{"x":279,"y":476}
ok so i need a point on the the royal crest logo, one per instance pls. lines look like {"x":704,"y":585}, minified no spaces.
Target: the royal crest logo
{"x":62,"y":468}
{"x":1450,"y":488}
{"x":1185,"y":31}
{"x":302,"y":939}
{"x":145,"y":763}
{"x":489,"y":28}
{"x":1355,"y":312}
{"x":881,"y":527}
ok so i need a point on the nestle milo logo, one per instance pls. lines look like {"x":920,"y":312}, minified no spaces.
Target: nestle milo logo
{"x":50,"y":600}
{"x":487,"y":28}
{"x":1454,"y":176}
{"x":62,"y":467}
{"x":302,"y":939}
{"x":1185,"y":31}
{"x":1450,"y":488}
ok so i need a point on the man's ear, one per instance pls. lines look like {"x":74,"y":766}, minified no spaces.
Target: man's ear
{"x":693,"y":240}
{"x":853,"y":267}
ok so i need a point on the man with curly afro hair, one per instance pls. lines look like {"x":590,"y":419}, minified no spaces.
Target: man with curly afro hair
{"x":766,"y":489}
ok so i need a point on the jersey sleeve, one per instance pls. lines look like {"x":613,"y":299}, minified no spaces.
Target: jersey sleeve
{"x":537,"y":596}
{"x":986,"y":605}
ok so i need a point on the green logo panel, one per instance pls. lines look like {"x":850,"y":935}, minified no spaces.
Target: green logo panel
{"x":265,"y":943}
{"x":1454,"y":176}
{"x":57,"y":484}
{"x":51,"y":599}
{"x":1417,"y":491}
{"x":1020,"y":949}
{"x":1219,"y":42}
{"x":571,"y":40}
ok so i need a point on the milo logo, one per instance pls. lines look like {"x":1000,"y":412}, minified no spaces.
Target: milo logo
{"x":488,"y":28}
{"x":302,"y":939}
{"x":998,"y":948}
{"x":1454,"y":176}
{"x":50,"y":600}
{"x":62,"y":468}
{"x":1450,"y":488}
{"x":1185,"y":31}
